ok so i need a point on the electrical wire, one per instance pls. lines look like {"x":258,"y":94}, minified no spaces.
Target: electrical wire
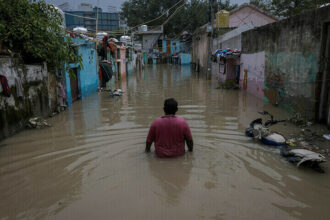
{"x":158,"y":16}
{"x":79,"y":16}
{"x":201,"y":11}
{"x":174,"y":13}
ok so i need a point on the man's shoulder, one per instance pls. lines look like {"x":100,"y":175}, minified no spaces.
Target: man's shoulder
{"x":157,"y":121}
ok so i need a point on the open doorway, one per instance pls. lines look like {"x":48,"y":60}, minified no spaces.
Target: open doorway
{"x":74,"y":85}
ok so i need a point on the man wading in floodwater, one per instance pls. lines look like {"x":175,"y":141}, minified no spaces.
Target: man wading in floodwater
{"x":169,"y":133}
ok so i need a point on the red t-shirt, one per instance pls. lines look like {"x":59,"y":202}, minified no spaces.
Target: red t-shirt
{"x":169,"y":133}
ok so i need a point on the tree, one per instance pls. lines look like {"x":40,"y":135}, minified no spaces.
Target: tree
{"x":287,"y":8}
{"x":32,"y":28}
{"x":193,"y":14}
{"x":225,"y":5}
{"x":262,"y":4}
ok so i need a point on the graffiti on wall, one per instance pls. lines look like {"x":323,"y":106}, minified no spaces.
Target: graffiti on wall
{"x":289,"y":80}
{"x":294,"y":66}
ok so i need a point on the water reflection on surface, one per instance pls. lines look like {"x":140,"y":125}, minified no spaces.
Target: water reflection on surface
{"x":91,"y":164}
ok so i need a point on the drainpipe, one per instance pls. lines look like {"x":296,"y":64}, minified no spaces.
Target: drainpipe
{"x":209,"y":62}
{"x":324,"y":88}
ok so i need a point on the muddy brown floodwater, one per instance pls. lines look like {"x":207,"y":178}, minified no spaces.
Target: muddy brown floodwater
{"x":91,"y":164}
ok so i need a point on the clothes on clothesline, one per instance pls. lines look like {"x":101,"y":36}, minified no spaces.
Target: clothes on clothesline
{"x":105,"y":72}
{"x":5,"y":86}
{"x":221,"y":54}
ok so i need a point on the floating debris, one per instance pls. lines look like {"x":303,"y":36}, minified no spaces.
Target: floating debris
{"x":326,"y":136}
{"x":116,"y":92}
{"x":302,"y":155}
{"x":298,"y":120}
{"x":37,"y":122}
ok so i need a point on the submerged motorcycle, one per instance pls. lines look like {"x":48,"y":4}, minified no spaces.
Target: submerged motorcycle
{"x":261,"y":131}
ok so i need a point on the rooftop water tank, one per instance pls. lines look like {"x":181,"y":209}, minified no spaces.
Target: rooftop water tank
{"x":80,"y":30}
{"x":222,"y":19}
{"x":125,"y":39}
{"x":143,"y":28}
{"x":100,"y":35}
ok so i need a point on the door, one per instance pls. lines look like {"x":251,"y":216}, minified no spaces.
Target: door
{"x":74,"y":85}
{"x":168,"y":47}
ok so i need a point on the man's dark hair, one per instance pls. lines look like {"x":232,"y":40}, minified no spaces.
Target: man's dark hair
{"x":170,"y":106}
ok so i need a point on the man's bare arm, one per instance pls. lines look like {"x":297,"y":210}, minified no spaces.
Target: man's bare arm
{"x":148,"y":146}
{"x":190,"y":145}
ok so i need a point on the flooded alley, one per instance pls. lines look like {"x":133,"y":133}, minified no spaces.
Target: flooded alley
{"x":91,"y":163}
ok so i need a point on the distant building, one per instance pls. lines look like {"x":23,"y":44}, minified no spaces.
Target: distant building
{"x":112,"y":8}
{"x":107,"y":21}
{"x":241,"y":19}
{"x":85,"y":7}
{"x":65,"y":6}
{"x":123,"y":23}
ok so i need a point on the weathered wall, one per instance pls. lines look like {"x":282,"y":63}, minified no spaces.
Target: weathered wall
{"x":200,"y":49}
{"x":149,"y":40}
{"x":122,"y":61}
{"x":15,"y":111}
{"x":291,"y":50}
{"x":255,"y":66}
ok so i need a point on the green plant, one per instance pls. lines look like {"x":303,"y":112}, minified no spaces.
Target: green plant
{"x":32,"y":28}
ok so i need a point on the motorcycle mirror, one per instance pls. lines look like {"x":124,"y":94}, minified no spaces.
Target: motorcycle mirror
{"x":263,"y":112}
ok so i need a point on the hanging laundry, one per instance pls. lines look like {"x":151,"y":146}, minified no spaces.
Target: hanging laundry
{"x":5,"y":86}
{"x":19,"y":87}
{"x":106,"y":72}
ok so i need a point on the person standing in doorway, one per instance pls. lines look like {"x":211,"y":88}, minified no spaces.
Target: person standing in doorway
{"x":169,"y":133}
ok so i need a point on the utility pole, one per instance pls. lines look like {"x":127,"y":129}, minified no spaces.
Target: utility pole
{"x":209,"y":62}
{"x":97,"y":17}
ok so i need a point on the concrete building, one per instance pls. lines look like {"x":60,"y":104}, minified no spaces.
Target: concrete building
{"x":150,"y":35}
{"x":65,"y":6}
{"x":241,"y":19}
{"x":106,"y":21}
{"x":85,"y":7}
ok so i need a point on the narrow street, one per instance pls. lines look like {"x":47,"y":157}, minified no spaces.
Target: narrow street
{"x":91,"y":163}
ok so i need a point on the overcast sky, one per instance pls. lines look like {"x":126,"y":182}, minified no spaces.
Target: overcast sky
{"x":105,"y":3}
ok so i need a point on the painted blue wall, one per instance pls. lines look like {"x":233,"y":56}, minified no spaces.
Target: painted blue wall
{"x":164,"y":46}
{"x":175,"y":46}
{"x":185,"y":58}
{"x":87,"y":76}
